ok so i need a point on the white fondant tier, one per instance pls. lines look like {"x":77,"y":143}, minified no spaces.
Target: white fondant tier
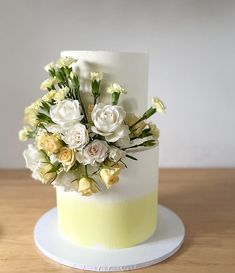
{"x":139,"y":179}
{"x":124,"y":215}
{"x":130,"y":70}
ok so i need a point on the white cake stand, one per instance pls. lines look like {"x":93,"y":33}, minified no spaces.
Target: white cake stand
{"x":164,"y":243}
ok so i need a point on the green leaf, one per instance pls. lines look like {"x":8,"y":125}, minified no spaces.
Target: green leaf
{"x":149,"y":143}
{"x":55,"y":168}
{"x":131,"y":157}
{"x":44,"y":118}
{"x":45,"y":106}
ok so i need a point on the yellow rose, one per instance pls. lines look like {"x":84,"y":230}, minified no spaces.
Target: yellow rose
{"x":109,"y":176}
{"x":87,"y":186}
{"x":51,"y":144}
{"x":138,"y":128}
{"x":67,"y":157}
{"x":45,"y":176}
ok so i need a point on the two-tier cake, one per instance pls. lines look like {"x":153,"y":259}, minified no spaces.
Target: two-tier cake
{"x":95,"y":144}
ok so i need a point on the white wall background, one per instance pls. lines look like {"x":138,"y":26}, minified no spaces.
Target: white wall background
{"x":192,"y":66}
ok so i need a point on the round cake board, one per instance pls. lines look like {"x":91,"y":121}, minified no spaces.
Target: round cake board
{"x":167,"y":239}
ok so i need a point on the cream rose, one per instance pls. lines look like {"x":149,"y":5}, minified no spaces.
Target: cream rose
{"x":66,"y":112}
{"x":76,"y":136}
{"x":108,"y":121}
{"x":67,"y":157}
{"x":94,"y":152}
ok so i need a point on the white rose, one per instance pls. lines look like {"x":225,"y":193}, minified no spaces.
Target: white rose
{"x":121,"y":132}
{"x":33,"y":158}
{"x":76,"y":136}
{"x":66,"y":112}
{"x":108,"y":121}
{"x":116,"y":154}
{"x":94,"y":152}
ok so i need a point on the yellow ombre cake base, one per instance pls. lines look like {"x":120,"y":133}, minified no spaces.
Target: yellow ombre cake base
{"x":108,"y":224}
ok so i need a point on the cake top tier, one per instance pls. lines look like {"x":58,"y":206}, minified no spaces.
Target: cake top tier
{"x":130,"y":70}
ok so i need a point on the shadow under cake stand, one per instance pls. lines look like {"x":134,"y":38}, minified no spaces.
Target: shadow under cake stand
{"x":166,"y":240}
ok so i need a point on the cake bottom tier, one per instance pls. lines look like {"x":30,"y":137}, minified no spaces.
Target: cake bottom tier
{"x":117,"y":224}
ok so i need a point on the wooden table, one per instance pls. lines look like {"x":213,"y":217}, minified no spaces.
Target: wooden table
{"x":204,"y":199}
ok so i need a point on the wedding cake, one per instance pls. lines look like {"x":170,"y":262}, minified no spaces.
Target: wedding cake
{"x":97,"y":148}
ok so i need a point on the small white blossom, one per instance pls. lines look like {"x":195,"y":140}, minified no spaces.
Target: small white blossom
{"x":96,"y":76}
{"x":23,"y":134}
{"x":158,"y":105}
{"x":154,"y":130}
{"x":48,"y":83}
{"x":49,"y":96}
{"x":49,"y":66}
{"x":116,"y":88}
{"x":65,"y":61}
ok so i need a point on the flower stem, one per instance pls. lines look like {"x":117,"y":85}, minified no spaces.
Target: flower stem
{"x":83,"y":109}
{"x":139,"y":120}
{"x":85,"y":169}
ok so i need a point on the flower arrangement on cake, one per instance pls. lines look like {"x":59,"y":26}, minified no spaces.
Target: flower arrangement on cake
{"x":89,"y":139}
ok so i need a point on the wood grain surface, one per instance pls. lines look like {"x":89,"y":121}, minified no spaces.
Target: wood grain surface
{"x":203,"y":198}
